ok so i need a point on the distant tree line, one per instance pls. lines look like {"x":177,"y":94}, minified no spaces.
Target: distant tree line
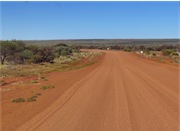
{"x":135,"y":47}
{"x":105,"y":42}
{"x":19,"y":53}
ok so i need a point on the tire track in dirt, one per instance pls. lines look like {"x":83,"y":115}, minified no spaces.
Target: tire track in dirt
{"x":117,"y":95}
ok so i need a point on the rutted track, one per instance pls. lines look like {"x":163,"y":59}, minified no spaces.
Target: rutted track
{"x":124,"y":93}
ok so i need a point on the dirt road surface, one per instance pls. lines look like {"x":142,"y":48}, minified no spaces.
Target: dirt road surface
{"x":123,"y":93}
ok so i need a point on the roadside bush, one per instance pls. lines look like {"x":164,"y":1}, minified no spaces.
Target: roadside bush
{"x":127,"y":49}
{"x":47,"y":87}
{"x":43,"y":54}
{"x":19,"y":53}
{"x":18,"y":100}
{"x":21,"y":57}
{"x":175,"y":53}
{"x":33,"y":48}
{"x":63,"y":51}
{"x":36,"y":59}
{"x":47,"y":54}
{"x":147,"y":52}
{"x":27,"y":54}
{"x":154,"y":54}
{"x":164,"y":47}
{"x":31,"y":99}
{"x":167,"y":52}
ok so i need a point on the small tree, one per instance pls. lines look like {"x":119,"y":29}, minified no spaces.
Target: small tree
{"x":7,"y":48}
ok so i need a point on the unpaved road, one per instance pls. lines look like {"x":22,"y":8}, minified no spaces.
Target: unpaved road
{"x":124,"y":93}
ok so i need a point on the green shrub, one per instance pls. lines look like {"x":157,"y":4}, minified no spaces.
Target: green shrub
{"x":27,"y":54}
{"x":31,"y":99}
{"x":175,"y":53}
{"x":18,"y":100}
{"x":127,"y":49}
{"x":43,"y":87}
{"x":36,"y":58}
{"x":167,"y":52}
{"x":154,"y":54}
{"x":50,"y":86}
{"x":147,"y":52}
{"x":64,"y":51}
{"x":46,"y":87}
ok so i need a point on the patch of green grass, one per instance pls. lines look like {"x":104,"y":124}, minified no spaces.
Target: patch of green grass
{"x":31,"y":99}
{"x":18,"y":100}
{"x":46,"y":87}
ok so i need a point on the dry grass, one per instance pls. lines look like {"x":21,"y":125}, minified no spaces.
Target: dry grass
{"x":63,"y":63}
{"x":157,"y":56}
{"x":47,"y":87}
{"x":30,"y":99}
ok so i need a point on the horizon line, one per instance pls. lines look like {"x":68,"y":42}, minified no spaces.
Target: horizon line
{"x":93,"y":39}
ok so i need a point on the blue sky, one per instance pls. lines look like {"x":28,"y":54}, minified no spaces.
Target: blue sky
{"x":89,"y":20}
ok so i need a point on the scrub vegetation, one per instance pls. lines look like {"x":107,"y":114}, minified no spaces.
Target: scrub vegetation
{"x":21,"y":59}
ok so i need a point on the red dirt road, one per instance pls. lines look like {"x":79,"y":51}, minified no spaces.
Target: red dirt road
{"x":123,"y":93}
